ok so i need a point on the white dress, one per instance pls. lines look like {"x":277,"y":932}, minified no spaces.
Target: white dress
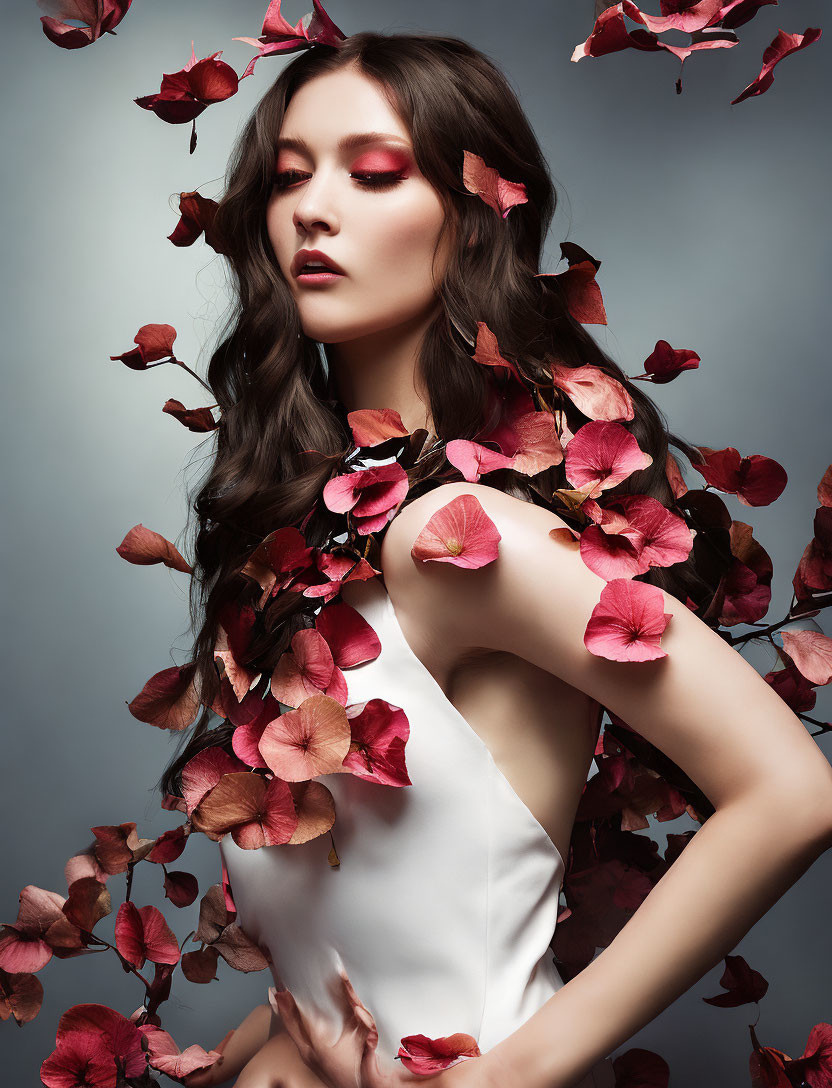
{"x":446,"y":898}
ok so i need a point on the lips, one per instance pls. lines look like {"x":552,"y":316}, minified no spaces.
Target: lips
{"x":304,"y":256}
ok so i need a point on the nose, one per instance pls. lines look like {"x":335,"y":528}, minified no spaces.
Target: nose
{"x":314,"y":209}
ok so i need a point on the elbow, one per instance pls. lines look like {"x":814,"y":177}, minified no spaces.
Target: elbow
{"x":826,"y":822}
{"x":800,"y":808}
{"x":805,"y":810}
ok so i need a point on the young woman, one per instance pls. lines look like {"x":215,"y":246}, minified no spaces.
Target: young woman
{"x":436,"y":916}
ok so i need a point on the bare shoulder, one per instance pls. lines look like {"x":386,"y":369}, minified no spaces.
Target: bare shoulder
{"x":499,"y":506}
{"x":453,"y":600}
{"x":701,"y":702}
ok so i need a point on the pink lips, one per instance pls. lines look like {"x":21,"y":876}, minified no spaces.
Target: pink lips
{"x":324,"y":275}
{"x":303,"y":256}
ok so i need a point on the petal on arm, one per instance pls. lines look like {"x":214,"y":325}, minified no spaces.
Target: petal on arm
{"x":701,"y":703}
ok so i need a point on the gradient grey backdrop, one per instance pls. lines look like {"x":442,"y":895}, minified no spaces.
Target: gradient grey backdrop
{"x":712,"y":225}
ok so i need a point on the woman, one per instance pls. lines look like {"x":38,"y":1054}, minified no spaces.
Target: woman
{"x":434,"y":913}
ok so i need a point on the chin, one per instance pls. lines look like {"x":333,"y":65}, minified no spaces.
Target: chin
{"x":341,"y":332}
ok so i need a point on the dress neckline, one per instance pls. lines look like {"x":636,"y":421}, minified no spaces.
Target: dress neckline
{"x":431,"y":681}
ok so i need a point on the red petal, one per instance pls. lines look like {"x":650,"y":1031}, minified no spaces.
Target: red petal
{"x":421,"y":1054}
{"x":169,"y":699}
{"x":741,"y":983}
{"x":485,"y":182}
{"x":380,"y":732}
{"x":181,"y":888}
{"x":487,"y":351}
{"x":780,"y":47}
{"x":199,"y":420}
{"x":372,"y":426}
{"x":144,"y":547}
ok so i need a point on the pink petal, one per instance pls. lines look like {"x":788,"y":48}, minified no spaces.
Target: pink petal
{"x":203,"y":772}
{"x":603,"y":454}
{"x":811,"y":652}
{"x":595,"y":393}
{"x":460,"y":533}
{"x":309,"y":741}
{"x":627,"y":622}
{"x":473,"y":459}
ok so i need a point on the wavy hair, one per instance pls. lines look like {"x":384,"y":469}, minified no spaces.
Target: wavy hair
{"x":276,"y":395}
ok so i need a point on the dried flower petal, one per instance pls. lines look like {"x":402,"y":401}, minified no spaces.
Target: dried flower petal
{"x":307,"y":742}
{"x":485,"y":182}
{"x":144,"y":546}
{"x":100,"y":15}
{"x":142,"y":933}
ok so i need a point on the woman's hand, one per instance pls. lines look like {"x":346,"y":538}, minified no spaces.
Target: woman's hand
{"x":352,"y":1061}
{"x":278,"y":1064}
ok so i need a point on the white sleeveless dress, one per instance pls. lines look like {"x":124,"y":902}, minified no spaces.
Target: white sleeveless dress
{"x":446,"y":898}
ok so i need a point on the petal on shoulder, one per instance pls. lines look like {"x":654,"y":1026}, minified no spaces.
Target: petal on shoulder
{"x":398,"y":553}
{"x":700,"y":702}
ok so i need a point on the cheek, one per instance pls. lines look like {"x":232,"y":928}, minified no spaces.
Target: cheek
{"x":278,"y":230}
{"x":400,"y":244}
{"x":282,"y":234}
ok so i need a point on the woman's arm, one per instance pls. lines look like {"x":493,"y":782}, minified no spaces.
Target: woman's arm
{"x":703,"y":705}
{"x":732,"y":871}
{"x":238,"y":1048}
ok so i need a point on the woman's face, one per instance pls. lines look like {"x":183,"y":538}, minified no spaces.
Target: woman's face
{"x":366,"y":205}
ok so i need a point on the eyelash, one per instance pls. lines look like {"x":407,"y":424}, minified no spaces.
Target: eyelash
{"x":377,"y":181}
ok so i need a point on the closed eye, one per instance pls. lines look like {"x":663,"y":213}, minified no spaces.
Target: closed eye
{"x":377,"y":180}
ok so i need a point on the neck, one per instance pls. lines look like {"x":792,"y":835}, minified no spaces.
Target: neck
{"x":380,"y":371}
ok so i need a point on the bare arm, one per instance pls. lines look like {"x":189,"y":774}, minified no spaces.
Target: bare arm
{"x":704,"y":706}
{"x":733,"y":870}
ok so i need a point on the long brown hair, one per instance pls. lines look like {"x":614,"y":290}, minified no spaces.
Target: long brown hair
{"x":269,"y":378}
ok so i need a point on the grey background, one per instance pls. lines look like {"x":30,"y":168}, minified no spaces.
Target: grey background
{"x":712,"y":225}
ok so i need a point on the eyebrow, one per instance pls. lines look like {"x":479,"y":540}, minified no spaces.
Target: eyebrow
{"x":346,"y":143}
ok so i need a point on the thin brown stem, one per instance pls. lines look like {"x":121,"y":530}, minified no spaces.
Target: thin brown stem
{"x":193,"y":373}
{"x":124,"y":963}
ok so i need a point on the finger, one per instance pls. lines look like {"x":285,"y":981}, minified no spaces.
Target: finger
{"x":371,"y":1073}
{"x":284,"y":1003}
{"x":356,"y":1006}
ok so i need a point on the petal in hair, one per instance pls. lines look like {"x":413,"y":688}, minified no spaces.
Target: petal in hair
{"x":484,"y":181}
